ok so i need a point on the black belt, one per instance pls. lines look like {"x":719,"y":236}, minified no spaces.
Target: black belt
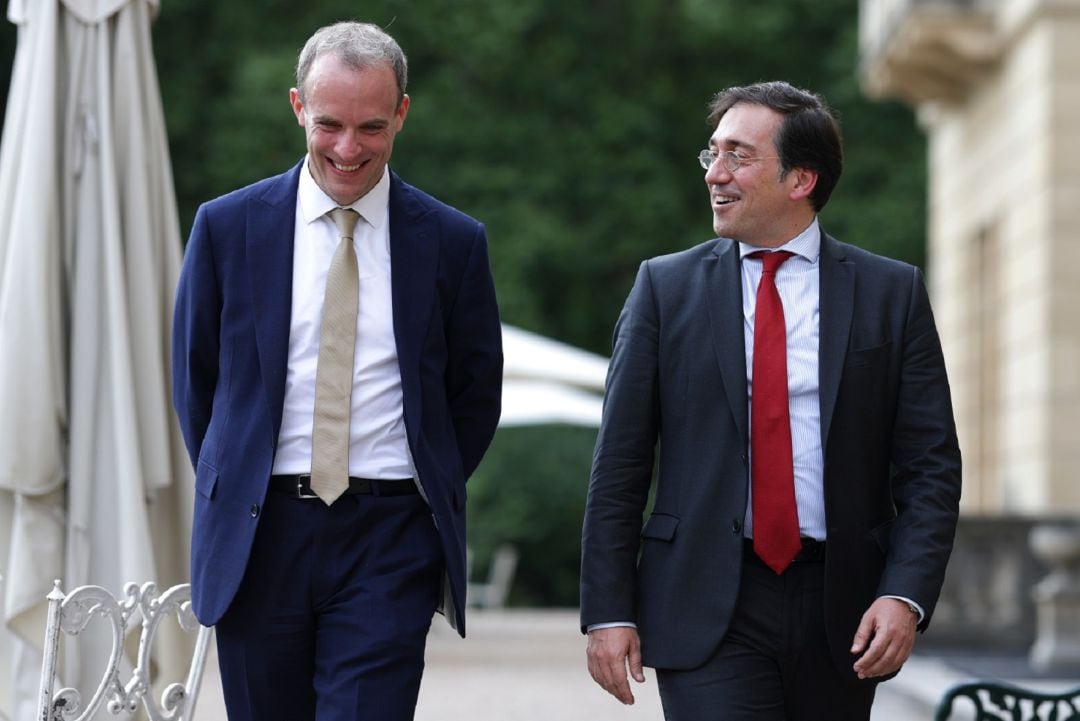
{"x":299,"y":486}
{"x":813,"y":551}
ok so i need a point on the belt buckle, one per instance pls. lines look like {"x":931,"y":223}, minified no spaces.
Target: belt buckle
{"x":300,"y":478}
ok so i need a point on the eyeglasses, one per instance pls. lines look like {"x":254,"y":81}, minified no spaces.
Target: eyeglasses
{"x":731,"y":160}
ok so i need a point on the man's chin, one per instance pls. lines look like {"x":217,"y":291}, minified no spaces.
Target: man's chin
{"x":345,"y":195}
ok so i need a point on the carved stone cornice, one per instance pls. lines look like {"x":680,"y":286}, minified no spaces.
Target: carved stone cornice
{"x":923,"y":51}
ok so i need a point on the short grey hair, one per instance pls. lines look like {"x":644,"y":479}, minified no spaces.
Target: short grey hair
{"x":358,"y":45}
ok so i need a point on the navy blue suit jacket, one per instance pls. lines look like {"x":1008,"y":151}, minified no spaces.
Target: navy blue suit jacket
{"x":230,"y":347}
{"x":677,"y":388}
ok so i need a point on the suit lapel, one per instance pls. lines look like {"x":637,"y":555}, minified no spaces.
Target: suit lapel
{"x":414,"y":256}
{"x":723,"y":295}
{"x":837,"y":281}
{"x":270,"y":225}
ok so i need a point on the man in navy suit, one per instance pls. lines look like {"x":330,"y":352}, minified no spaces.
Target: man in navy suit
{"x":322,"y":607}
{"x":738,"y":626}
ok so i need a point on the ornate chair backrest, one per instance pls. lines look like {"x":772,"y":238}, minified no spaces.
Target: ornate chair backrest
{"x":998,"y":701}
{"x":141,"y":605}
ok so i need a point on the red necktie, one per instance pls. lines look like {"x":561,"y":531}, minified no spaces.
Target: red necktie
{"x":776,"y":518}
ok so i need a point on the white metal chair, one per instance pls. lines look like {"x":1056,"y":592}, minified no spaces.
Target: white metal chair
{"x":494,"y":592}
{"x":140,"y":605}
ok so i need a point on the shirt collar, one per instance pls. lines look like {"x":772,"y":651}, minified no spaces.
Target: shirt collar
{"x":806,"y":244}
{"x":372,"y":207}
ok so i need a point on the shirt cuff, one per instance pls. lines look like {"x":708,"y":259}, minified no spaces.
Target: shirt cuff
{"x":610,"y":624}
{"x":915,"y":608}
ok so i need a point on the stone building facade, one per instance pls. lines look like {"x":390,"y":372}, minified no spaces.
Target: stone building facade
{"x":996,"y":84}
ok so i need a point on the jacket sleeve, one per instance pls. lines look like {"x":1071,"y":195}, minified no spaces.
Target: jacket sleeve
{"x":196,"y":337}
{"x":622,"y":463}
{"x":475,"y":358}
{"x":926,"y":460}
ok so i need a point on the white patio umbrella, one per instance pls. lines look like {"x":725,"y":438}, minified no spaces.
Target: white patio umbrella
{"x":94,"y":484}
{"x":546,"y":381}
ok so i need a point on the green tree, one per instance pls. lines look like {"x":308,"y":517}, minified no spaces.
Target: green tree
{"x":570,"y":128}
{"x":531,"y":493}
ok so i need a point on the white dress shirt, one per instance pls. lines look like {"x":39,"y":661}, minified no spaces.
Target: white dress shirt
{"x":378,"y":447}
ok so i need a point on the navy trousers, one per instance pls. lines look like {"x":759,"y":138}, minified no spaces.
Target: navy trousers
{"x":331,"y":618}
{"x":774,"y":662}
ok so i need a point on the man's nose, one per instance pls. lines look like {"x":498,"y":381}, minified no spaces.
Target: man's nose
{"x":349,"y":145}
{"x":717,"y":173}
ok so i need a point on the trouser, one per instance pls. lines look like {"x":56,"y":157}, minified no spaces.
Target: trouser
{"x":331,"y":618}
{"x":774,"y":662}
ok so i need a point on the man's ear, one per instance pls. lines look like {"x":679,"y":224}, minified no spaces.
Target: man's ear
{"x":802,"y":182}
{"x":297,"y":105}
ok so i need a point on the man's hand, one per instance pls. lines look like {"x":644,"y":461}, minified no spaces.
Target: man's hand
{"x":610,"y":651}
{"x":885,"y":638}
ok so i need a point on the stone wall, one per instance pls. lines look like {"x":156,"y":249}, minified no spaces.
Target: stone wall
{"x":986,"y":602}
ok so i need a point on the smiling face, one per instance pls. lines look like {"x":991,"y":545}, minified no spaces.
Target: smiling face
{"x":754,"y":204}
{"x":350,"y":117}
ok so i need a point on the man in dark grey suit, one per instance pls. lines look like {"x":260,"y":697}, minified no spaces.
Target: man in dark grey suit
{"x":784,"y":569}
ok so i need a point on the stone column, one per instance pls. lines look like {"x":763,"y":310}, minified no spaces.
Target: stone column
{"x":1057,"y":597}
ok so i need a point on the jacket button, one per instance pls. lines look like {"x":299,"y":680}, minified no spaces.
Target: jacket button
{"x":736,"y":526}
{"x":745,"y":459}
{"x":254,"y":510}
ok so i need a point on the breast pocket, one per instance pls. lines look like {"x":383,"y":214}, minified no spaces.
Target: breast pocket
{"x":874,"y":356}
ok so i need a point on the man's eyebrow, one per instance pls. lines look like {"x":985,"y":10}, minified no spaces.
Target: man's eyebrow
{"x":372,"y":124}
{"x":731,"y":144}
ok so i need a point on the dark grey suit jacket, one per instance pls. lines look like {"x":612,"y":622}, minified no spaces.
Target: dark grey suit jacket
{"x":676,"y":389}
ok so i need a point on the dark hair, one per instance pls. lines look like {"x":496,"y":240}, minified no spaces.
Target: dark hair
{"x":808,"y":137}
{"x":359,"y":46}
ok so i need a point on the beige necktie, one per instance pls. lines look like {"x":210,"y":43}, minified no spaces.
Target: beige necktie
{"x":334,"y":374}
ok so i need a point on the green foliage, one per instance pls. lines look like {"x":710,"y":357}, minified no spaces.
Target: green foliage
{"x":570,"y":127}
{"x":530,"y":492}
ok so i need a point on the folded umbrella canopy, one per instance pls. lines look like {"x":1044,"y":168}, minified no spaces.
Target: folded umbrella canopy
{"x":94,"y":484}
{"x":545,"y":381}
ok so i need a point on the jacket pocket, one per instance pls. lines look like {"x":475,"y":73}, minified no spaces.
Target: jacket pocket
{"x":881,"y":534}
{"x":460,"y":495}
{"x":868,"y":357}
{"x":206,"y":477}
{"x":660,"y":527}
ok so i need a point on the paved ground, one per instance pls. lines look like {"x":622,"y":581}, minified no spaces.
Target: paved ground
{"x":520,"y":666}
{"x":514,"y":666}
{"x":524,"y":665}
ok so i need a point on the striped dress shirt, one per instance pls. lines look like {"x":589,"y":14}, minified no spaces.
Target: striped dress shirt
{"x":797,"y":284}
